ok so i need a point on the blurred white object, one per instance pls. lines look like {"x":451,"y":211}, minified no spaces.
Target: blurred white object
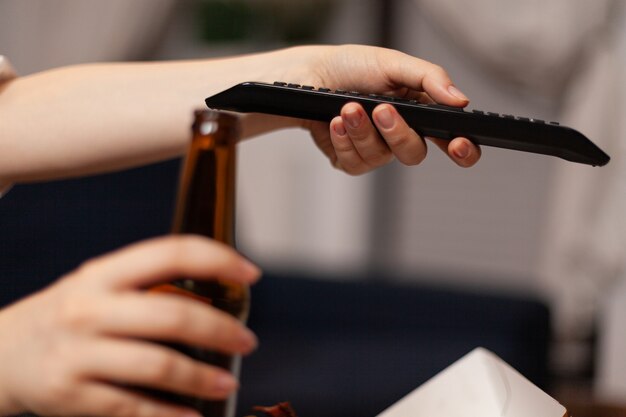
{"x":478,"y":385}
{"x":610,"y":384}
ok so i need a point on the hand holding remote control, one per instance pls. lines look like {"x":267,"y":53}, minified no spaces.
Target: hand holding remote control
{"x":446,"y":122}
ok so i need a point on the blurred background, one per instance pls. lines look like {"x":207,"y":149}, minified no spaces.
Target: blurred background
{"x":375,"y":283}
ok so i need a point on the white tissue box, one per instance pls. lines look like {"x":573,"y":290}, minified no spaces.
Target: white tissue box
{"x":480,"y":384}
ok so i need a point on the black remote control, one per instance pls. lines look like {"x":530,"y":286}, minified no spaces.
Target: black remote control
{"x":436,"y":120}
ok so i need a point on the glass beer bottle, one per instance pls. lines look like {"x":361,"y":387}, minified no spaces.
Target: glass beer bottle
{"x":206,"y":206}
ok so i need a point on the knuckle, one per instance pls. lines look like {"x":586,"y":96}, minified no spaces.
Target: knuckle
{"x":162,"y":367}
{"x":194,"y":382}
{"x":354,"y":169}
{"x":179,"y":247}
{"x":437,"y":69}
{"x":122,"y":407}
{"x":359,"y":135}
{"x":175,"y":251}
{"x":142,"y":408}
{"x":224,"y":331}
{"x":87,"y":268}
{"x":415,"y":158}
{"x":56,"y":389}
{"x":409,"y":148}
{"x":75,"y":313}
{"x":379,"y":158}
{"x":83,"y":272}
{"x":175,"y":319}
{"x":398,"y":140}
{"x":343,"y":146}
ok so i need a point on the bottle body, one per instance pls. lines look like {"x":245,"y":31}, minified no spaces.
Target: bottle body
{"x":206,"y":206}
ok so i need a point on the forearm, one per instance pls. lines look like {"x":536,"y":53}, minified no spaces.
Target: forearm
{"x":101,"y":117}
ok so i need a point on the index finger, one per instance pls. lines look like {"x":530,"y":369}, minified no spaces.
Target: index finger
{"x":163,"y":259}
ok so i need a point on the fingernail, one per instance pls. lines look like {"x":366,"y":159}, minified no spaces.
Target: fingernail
{"x":353,"y":117}
{"x":385,"y":118}
{"x":339,"y":129}
{"x":457,"y":93}
{"x":225,"y":382}
{"x":462,"y":151}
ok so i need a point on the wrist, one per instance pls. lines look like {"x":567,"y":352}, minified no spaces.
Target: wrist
{"x":298,"y":64}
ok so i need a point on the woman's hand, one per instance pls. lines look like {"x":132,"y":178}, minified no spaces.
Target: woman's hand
{"x":72,"y":348}
{"x":354,"y":142}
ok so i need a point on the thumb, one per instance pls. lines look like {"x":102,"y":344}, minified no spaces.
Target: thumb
{"x":404,"y":70}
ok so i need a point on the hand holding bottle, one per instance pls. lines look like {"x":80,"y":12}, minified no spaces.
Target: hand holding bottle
{"x":75,"y":347}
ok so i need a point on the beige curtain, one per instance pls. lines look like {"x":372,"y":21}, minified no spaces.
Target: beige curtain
{"x":40,"y":34}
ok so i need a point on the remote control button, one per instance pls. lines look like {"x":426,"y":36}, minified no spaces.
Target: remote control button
{"x":537,"y":120}
{"x":478,"y":111}
{"x":324,"y":90}
{"x":555,"y":123}
{"x":508,"y":116}
{"x":340,"y":91}
{"x":293,"y":85}
{"x":524,"y":119}
{"x":490,"y":113}
{"x":308,"y":87}
{"x":280,"y":83}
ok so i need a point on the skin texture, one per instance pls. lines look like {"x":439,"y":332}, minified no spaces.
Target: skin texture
{"x":71,"y":348}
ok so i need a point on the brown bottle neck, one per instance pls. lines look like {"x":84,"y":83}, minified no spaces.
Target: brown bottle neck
{"x":206,"y":201}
